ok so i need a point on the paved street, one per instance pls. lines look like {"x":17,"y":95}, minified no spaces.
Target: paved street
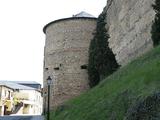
{"x":22,"y":118}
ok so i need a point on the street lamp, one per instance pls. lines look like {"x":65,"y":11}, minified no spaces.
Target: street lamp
{"x":49,"y":81}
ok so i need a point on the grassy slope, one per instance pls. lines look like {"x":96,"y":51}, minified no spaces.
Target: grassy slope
{"x":113,"y":96}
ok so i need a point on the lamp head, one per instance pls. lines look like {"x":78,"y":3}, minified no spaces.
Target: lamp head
{"x":49,"y":80}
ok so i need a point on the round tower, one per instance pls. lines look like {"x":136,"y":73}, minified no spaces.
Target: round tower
{"x":66,"y":56}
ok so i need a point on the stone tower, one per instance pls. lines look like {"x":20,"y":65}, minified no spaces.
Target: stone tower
{"x":66,"y":56}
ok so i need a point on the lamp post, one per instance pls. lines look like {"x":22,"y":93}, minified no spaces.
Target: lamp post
{"x":49,"y":81}
{"x":44,"y":107}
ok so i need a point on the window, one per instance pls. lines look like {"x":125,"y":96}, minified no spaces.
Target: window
{"x":56,"y":68}
{"x":46,"y":69}
{"x":9,"y":95}
{"x":83,"y":66}
{"x":5,"y":93}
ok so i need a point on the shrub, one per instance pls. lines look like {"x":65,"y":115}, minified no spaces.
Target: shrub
{"x":145,"y":109}
{"x":102,"y":61}
{"x":156,"y":25}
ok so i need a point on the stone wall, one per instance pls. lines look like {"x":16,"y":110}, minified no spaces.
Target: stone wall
{"x":129,"y":23}
{"x":66,"y":57}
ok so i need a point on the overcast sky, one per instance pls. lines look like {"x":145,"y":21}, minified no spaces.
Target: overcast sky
{"x":21,"y":36}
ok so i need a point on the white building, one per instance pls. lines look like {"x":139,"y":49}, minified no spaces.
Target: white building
{"x":6,"y":97}
{"x":25,"y":100}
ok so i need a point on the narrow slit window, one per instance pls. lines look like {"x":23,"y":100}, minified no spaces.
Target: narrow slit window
{"x":83,"y":66}
{"x":56,"y":68}
{"x":46,"y":69}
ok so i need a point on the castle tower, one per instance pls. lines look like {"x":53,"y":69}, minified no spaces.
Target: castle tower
{"x":66,"y":56}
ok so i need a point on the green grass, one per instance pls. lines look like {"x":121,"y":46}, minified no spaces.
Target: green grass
{"x":112,"y":98}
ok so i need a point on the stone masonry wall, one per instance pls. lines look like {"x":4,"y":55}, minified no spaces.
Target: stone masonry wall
{"x":66,"y":53}
{"x":129,"y":23}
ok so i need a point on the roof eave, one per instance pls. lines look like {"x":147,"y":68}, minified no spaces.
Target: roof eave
{"x":45,"y":27}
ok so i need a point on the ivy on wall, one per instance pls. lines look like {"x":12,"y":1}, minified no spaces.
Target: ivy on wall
{"x":156,"y":25}
{"x":102,"y":61}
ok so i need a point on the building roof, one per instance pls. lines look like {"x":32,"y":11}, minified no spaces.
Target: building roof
{"x":15,"y":86}
{"x":26,"y":82}
{"x":83,"y":14}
